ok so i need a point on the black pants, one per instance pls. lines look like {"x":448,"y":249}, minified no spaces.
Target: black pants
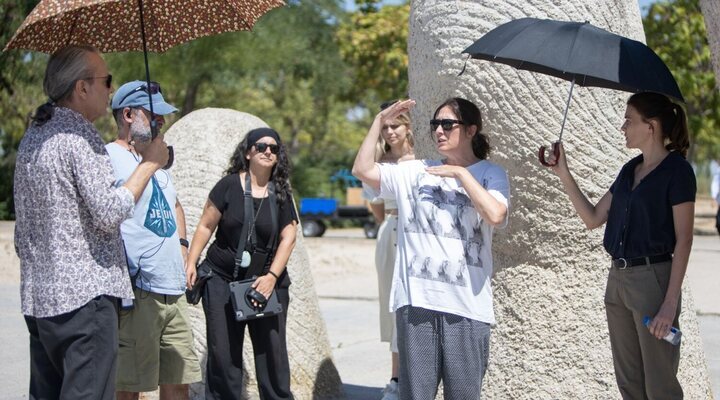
{"x":225,"y":342}
{"x":73,"y":355}
{"x":717,"y":221}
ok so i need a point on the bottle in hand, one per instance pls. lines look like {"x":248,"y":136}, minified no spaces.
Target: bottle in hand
{"x":673,"y":337}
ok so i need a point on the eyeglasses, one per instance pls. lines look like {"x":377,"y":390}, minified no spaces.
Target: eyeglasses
{"x":446,"y":124}
{"x":154,"y":89}
{"x":108,"y":79}
{"x":261,"y":147}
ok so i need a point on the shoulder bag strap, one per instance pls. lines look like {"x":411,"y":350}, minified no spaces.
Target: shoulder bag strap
{"x":255,"y":269}
{"x":248,"y":203}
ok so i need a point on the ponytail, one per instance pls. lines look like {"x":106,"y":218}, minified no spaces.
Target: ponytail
{"x":679,"y":138}
{"x":672,"y":118}
{"x":44,"y":113}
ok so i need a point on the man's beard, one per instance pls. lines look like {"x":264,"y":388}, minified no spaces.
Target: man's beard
{"x":139,"y":132}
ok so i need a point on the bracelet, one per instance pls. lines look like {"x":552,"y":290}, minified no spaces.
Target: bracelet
{"x":273,"y":274}
{"x":184,"y":242}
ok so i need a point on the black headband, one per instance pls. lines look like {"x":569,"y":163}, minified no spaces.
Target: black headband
{"x":256,"y":134}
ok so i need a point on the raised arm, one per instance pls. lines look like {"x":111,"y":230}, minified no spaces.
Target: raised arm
{"x":592,"y":215}
{"x":154,"y":157}
{"x":364,"y":167}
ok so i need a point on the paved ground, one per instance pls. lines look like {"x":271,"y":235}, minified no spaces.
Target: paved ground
{"x":363,"y":362}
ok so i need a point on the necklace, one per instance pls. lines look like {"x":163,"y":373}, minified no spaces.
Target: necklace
{"x":252,"y":227}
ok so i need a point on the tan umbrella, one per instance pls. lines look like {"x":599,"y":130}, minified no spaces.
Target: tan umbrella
{"x":116,"y":25}
{"x":134,"y":25}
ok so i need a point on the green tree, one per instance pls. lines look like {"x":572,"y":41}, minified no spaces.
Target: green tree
{"x":374,"y":42}
{"x":20,"y":94}
{"x":289,"y":71}
{"x":676,"y":31}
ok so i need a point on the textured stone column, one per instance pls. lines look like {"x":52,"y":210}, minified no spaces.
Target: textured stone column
{"x":711,"y":12}
{"x":203,"y":142}
{"x":551,"y":339}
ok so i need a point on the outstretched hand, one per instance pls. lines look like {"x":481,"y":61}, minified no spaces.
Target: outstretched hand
{"x":446,"y":171}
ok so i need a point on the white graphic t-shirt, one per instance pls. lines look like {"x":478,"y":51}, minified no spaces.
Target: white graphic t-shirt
{"x":152,"y":244}
{"x":444,"y":260}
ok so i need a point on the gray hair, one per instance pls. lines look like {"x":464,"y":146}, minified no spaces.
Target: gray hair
{"x":65,"y":67}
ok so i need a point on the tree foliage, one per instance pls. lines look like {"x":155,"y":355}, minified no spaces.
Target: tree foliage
{"x":288,"y":71}
{"x":374,"y":42}
{"x":675,"y":30}
{"x":20,"y":93}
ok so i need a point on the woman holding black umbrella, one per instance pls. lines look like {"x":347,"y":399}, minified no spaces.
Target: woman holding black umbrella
{"x":649,"y":212}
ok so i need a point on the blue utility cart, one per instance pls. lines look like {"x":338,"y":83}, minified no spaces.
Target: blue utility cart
{"x":315,"y":211}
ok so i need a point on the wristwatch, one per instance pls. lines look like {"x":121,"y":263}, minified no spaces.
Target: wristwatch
{"x":184,"y":242}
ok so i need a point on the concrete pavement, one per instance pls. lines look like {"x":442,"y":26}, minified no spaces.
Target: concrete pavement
{"x":364,"y":362}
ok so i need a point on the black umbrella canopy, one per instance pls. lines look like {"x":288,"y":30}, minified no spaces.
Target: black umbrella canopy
{"x":577,"y":51}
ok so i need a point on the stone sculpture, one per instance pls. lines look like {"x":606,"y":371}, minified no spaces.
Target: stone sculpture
{"x":551,"y":340}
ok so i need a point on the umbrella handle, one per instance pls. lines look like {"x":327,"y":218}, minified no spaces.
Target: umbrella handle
{"x":556,"y":153}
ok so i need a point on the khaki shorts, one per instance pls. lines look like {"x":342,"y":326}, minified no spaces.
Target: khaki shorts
{"x":156,"y":344}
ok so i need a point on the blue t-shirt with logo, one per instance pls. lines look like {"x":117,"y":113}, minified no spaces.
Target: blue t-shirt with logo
{"x":151,"y":239}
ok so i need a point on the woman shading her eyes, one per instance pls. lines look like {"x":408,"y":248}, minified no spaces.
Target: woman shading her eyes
{"x":447,"y":210}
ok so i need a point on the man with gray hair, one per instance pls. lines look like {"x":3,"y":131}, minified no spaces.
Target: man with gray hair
{"x":156,"y":342}
{"x":67,"y":232}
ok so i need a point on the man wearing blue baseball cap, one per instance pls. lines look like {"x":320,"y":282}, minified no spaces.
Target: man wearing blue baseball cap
{"x":156,"y":343}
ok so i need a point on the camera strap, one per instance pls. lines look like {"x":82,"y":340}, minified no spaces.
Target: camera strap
{"x":248,"y":233}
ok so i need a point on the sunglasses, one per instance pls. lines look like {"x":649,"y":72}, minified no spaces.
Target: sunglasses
{"x":108,"y":79}
{"x":446,"y":124}
{"x":261,"y":147}
{"x":154,"y":89}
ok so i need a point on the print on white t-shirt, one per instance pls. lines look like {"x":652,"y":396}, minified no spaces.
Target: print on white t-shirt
{"x":444,"y":258}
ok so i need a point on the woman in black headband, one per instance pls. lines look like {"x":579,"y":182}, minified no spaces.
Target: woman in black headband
{"x":262,"y":158}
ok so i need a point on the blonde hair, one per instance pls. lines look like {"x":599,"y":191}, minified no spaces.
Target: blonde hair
{"x":382,"y":147}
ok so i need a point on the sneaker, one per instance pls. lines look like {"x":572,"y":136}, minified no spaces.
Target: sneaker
{"x":391,"y":391}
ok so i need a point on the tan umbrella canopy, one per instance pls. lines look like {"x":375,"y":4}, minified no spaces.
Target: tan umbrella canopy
{"x":134,"y":25}
{"x":115,"y":25}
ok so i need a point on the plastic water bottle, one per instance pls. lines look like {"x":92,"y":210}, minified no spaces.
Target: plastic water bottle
{"x":673,"y":337}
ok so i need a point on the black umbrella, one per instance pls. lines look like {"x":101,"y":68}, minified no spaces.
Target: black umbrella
{"x":577,"y":52}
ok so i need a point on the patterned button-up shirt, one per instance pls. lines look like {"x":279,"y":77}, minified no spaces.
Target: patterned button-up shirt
{"x":67,"y":232}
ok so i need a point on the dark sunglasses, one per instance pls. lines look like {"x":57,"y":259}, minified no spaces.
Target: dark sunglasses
{"x":154,"y":89}
{"x":446,"y":124}
{"x":108,"y":79}
{"x":261,"y":147}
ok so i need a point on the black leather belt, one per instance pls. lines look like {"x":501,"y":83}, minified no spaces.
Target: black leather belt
{"x":622,"y":263}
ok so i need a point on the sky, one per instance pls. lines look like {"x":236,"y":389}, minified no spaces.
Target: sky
{"x":350,"y":4}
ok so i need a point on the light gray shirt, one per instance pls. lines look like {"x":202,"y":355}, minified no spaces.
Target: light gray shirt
{"x":67,"y":232}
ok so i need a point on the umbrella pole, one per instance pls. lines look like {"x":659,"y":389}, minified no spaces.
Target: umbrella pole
{"x":567,"y":106}
{"x":153,"y":123}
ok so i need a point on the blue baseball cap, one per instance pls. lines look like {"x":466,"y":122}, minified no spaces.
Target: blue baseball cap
{"x":135,"y":94}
